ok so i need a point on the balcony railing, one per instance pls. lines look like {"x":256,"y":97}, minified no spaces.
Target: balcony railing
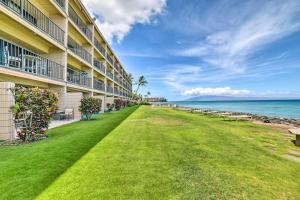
{"x":61,"y":3}
{"x":109,"y":74}
{"x":99,"y":65}
{"x":99,"y":47}
{"x":79,"y":50}
{"x":78,"y":78}
{"x":34,"y":16}
{"x":109,"y":59}
{"x":20,"y":59}
{"x":109,"y":89}
{"x":116,"y":66}
{"x":80,"y":24}
{"x":99,"y":85}
{"x":116,"y":79}
{"x":116,"y":91}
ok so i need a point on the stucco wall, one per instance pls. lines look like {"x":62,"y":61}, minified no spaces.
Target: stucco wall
{"x":71,"y":100}
{"x":7,"y":128}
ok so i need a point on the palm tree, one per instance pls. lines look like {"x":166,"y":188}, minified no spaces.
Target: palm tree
{"x":130,"y":77}
{"x":141,"y":82}
{"x":148,"y":94}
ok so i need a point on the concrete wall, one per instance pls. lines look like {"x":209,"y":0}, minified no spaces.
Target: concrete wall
{"x":71,"y":100}
{"x":109,"y":100}
{"x":7,"y":128}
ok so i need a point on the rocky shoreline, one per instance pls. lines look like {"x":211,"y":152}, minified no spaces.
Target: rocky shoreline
{"x":256,"y":117}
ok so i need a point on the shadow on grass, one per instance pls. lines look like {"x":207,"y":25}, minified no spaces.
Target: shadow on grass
{"x":25,"y":171}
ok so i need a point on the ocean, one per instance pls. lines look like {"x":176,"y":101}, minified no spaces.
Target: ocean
{"x":272,"y":108}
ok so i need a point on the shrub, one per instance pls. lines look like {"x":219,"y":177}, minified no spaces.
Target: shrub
{"x":110,"y":107}
{"x":125,"y":103}
{"x":37,"y":103}
{"x":144,"y":103}
{"x":99,"y":105}
{"x":89,"y":106}
{"x":118,"y":104}
{"x":130,"y":104}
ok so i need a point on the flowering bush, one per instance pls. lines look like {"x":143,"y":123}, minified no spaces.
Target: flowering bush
{"x":99,"y":105}
{"x":89,"y":106}
{"x":118,"y":104}
{"x":35,"y":106}
{"x":110,"y":107}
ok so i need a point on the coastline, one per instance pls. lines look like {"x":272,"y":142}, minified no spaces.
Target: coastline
{"x":281,"y":123}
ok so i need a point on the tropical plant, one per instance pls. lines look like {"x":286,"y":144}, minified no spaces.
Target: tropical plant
{"x":130,"y":77}
{"x":147,"y":95}
{"x":33,"y":109}
{"x":89,"y":106}
{"x":132,"y":103}
{"x":99,"y":104}
{"x":118,"y":104}
{"x":110,"y":107}
{"x":140,"y":83}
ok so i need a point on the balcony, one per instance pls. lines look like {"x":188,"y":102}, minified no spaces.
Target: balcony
{"x":20,"y":59}
{"x":99,"y":47}
{"x":109,"y":89}
{"x":78,"y":78}
{"x":79,"y":50}
{"x":110,"y":60}
{"x":117,"y":79}
{"x":99,"y":65}
{"x":80,"y":24}
{"x":61,"y":4}
{"x":99,"y":85}
{"x":109,"y":74}
{"x":31,"y":14}
{"x":116,"y":91}
{"x":116,"y":66}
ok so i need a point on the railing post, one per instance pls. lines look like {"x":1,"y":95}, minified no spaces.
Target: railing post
{"x":21,"y":7}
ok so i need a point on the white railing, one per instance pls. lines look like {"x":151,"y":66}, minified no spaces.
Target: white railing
{"x":34,"y":16}
{"x":18,"y":58}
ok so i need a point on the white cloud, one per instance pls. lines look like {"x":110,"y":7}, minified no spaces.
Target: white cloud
{"x":227,"y":91}
{"x":141,"y":55}
{"x":117,"y":17}
{"x":246,"y":28}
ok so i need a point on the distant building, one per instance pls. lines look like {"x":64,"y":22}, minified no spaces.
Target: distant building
{"x":156,"y":99}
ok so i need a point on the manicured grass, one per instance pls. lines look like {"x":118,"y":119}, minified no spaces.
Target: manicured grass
{"x":161,"y":153}
{"x":25,"y":171}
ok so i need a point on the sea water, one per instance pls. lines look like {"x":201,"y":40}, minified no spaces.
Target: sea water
{"x":273,"y":108}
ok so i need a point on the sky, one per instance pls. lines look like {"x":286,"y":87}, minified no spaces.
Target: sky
{"x":188,"y":48}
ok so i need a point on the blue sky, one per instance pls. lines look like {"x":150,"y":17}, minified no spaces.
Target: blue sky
{"x":190,"y":48}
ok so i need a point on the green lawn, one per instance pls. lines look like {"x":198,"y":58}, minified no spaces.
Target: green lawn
{"x":161,"y":153}
{"x":25,"y":171}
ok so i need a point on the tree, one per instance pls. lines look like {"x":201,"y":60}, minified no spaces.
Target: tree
{"x":141,"y":82}
{"x":147,"y":95}
{"x":130,"y":77}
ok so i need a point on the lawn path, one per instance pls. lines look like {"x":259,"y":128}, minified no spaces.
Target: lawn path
{"x":25,"y":171}
{"x":160,"y":153}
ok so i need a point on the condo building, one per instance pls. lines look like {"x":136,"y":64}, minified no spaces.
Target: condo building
{"x":56,"y":44}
